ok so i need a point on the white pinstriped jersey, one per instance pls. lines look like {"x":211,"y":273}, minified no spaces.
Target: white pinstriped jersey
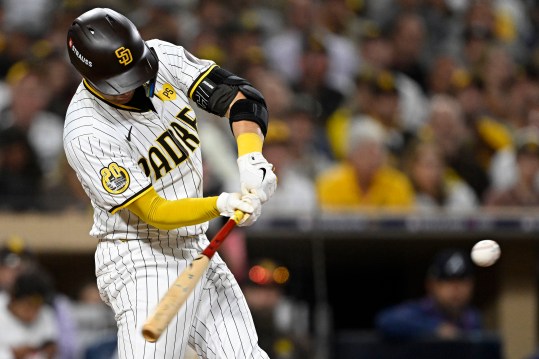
{"x":118,"y":152}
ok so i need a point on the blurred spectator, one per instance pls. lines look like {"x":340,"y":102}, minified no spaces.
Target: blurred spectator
{"x":26,"y":320}
{"x":15,"y":48}
{"x":525,"y":190}
{"x":20,"y":173}
{"x":478,"y":33}
{"x":308,"y":142}
{"x":378,"y":57}
{"x":313,"y":76}
{"x":364,"y":178}
{"x":284,"y":49}
{"x":278,"y":94}
{"x":445,"y":311}
{"x":435,"y":186}
{"x":159,"y":20}
{"x":93,"y":318}
{"x":15,"y":257}
{"x":446,"y":126}
{"x":441,"y":74}
{"x":64,"y":192}
{"x":442,"y":23}
{"x":378,"y":98}
{"x":281,"y":321}
{"x":408,"y":38}
{"x":244,"y":45}
{"x":296,"y":197}
{"x":29,"y":16}
{"x":59,"y":77}
{"x":498,"y":73}
{"x":43,"y":129}
{"x":488,"y":136}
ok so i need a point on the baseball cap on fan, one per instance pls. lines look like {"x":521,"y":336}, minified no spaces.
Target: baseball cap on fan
{"x":451,"y":264}
{"x":14,"y":251}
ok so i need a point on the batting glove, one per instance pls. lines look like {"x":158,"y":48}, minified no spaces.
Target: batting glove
{"x":228,"y":203}
{"x":257,"y":209}
{"x":256,"y":176}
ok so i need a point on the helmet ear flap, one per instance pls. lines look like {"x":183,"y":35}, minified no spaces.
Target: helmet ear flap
{"x":149,"y":86}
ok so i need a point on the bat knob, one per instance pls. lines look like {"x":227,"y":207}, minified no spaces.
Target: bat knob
{"x":149,"y":335}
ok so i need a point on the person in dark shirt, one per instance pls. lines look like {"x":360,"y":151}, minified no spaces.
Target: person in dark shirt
{"x":445,"y":312}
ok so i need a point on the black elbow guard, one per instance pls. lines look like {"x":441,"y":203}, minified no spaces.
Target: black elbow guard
{"x":250,"y":110}
{"x":215,"y":89}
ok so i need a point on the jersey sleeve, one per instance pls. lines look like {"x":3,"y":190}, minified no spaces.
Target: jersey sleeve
{"x":108,"y":172}
{"x":183,"y":68}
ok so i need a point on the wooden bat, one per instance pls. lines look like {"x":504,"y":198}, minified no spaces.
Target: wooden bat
{"x":179,"y":291}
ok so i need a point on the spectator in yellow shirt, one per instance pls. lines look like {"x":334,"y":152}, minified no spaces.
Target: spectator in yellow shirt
{"x":364,"y":178}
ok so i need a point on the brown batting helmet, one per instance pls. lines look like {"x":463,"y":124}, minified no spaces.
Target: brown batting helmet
{"x":107,"y":50}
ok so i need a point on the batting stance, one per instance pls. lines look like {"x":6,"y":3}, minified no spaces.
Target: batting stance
{"x":131,"y":136}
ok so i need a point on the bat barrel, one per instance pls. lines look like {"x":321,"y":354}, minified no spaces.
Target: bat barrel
{"x":180,"y":290}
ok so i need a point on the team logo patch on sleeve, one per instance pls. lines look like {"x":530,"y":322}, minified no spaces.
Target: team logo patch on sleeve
{"x":167,"y":93}
{"x":115,"y":178}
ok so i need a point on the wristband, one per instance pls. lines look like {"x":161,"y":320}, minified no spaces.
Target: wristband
{"x":249,"y":142}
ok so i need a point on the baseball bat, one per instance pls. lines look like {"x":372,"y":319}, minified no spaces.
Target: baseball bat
{"x":179,"y":291}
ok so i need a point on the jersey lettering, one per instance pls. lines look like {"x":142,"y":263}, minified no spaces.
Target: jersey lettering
{"x":143,"y":163}
{"x":172,"y":149}
{"x":158,"y":162}
{"x":183,"y":116}
{"x":190,"y":140}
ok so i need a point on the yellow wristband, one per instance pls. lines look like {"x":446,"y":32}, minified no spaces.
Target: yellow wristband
{"x":249,"y":142}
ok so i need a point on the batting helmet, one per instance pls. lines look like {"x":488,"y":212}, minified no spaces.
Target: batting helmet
{"x":107,"y":50}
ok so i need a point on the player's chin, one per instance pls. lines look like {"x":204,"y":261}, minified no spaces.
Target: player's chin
{"x":120,"y":99}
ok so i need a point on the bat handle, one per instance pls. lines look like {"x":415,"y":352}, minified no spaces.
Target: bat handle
{"x":238,"y":216}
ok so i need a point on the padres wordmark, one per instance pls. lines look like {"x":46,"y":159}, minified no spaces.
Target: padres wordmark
{"x":179,"y":291}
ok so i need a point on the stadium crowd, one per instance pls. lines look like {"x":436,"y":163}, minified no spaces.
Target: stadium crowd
{"x":414,"y":105}
{"x":410,"y":104}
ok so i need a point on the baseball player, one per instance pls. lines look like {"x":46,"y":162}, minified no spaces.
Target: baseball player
{"x":131,"y":136}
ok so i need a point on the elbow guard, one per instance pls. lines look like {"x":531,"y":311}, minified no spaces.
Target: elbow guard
{"x":250,"y":110}
{"x":215,"y":89}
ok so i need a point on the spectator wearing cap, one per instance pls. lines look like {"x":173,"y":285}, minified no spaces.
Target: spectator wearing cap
{"x":14,"y":258}
{"x":386,"y":97}
{"x":445,"y":312}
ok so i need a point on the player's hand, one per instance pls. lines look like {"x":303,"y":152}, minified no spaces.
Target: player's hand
{"x":257,"y":176}
{"x":257,"y":209}
{"x":228,"y":203}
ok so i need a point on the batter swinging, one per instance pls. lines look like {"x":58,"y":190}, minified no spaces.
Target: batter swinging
{"x":131,"y":136}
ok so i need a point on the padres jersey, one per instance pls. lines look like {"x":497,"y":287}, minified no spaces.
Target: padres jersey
{"x":119,"y":151}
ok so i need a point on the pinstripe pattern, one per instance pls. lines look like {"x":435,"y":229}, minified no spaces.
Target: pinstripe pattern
{"x":117,"y":154}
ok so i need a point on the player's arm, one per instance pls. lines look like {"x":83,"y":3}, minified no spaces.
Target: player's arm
{"x":222,"y":93}
{"x":165,"y":214}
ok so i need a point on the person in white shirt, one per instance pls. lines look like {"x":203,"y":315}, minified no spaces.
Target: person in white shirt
{"x":27,"y":322}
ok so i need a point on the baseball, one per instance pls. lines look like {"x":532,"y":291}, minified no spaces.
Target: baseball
{"x":485,"y":253}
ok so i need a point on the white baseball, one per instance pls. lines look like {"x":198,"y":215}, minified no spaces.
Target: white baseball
{"x":485,"y":253}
